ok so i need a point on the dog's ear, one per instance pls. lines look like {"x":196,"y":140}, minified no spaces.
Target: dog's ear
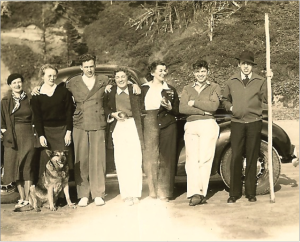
{"x":49,"y":153}
{"x":66,"y":152}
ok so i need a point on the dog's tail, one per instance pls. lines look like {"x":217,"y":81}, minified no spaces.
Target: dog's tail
{"x":24,"y":209}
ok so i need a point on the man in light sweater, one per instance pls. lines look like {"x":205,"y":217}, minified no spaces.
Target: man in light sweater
{"x":199,"y":101}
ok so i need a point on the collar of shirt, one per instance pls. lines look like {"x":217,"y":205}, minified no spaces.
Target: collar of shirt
{"x":244,"y":76}
{"x":89,"y":82}
{"x":47,"y":89}
{"x":119,"y":91}
{"x":164,"y":86}
{"x":199,"y":84}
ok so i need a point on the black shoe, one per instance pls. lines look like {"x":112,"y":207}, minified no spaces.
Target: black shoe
{"x":232,"y":199}
{"x":203,"y":199}
{"x":252,"y":199}
{"x":195,"y":200}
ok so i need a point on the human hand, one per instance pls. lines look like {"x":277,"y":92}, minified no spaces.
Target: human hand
{"x":2,"y":132}
{"x":36,"y":91}
{"x":108,"y":88}
{"x":166,"y":103}
{"x":43,"y":141}
{"x":68,"y":138}
{"x":117,"y":116}
{"x":136,"y":89}
{"x":191,"y":103}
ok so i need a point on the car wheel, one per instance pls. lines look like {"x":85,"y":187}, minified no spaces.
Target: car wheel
{"x":9,"y":194}
{"x":262,"y":168}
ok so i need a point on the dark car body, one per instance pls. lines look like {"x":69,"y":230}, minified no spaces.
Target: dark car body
{"x":283,"y":150}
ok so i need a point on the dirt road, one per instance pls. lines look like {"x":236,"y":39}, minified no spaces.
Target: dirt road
{"x":173,"y":221}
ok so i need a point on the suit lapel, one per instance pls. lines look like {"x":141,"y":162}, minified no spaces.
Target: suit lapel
{"x":98,"y":84}
{"x":113,"y":98}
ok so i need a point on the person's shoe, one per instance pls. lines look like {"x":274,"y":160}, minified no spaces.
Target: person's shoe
{"x":252,"y":199}
{"x":164,"y":199}
{"x":22,"y":203}
{"x":83,"y":202}
{"x":128,"y":201}
{"x":99,"y":201}
{"x":203,"y":199}
{"x":195,"y":200}
{"x":231,"y":199}
{"x":19,"y":204}
{"x":136,"y":200}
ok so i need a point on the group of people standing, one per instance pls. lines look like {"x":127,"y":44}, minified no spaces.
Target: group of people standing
{"x":139,"y":123}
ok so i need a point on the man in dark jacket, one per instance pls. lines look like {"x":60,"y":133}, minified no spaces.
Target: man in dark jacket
{"x":244,"y":95}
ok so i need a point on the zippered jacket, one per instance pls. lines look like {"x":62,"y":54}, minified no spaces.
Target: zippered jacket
{"x":246,"y":100}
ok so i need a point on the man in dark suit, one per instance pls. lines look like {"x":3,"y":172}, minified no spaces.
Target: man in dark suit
{"x":125,"y":135}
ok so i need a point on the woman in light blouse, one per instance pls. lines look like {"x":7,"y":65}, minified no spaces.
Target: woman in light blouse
{"x":160,"y":106}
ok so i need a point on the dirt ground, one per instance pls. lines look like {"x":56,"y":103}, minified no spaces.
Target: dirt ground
{"x":173,"y":221}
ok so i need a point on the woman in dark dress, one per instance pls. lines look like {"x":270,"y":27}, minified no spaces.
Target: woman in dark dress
{"x":53,"y":110}
{"x":18,"y":139}
{"x":160,"y":104}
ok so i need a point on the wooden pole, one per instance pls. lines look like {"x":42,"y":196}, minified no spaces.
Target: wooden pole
{"x":270,"y":119}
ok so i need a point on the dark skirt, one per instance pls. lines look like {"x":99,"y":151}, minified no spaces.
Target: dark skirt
{"x":55,"y":137}
{"x":19,"y":162}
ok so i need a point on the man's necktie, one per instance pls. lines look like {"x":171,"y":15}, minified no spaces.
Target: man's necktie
{"x":246,"y":80}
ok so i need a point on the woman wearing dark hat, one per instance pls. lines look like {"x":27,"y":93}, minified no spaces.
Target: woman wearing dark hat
{"x":18,"y":139}
{"x":243,"y":95}
{"x":53,"y":110}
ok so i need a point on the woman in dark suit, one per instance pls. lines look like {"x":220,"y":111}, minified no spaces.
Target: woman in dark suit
{"x":125,"y":135}
{"x":160,"y":104}
{"x":18,"y":139}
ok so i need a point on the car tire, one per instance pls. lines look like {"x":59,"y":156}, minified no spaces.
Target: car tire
{"x":9,"y":194}
{"x":262,"y":170}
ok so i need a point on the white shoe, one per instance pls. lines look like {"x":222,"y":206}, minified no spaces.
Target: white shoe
{"x":83,"y":202}
{"x":135,"y":200}
{"x":128,"y":201}
{"x":99,"y":201}
{"x":21,"y":203}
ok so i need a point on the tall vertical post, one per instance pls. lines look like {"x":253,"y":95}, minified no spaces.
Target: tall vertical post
{"x":270,"y":119}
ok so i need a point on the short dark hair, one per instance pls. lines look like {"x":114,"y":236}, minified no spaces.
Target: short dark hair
{"x":87,"y":57}
{"x":200,"y":64}
{"x":125,"y":70}
{"x":46,"y":66}
{"x":154,"y":64}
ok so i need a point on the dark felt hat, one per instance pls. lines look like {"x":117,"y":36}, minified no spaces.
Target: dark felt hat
{"x":14,"y":76}
{"x":247,"y":56}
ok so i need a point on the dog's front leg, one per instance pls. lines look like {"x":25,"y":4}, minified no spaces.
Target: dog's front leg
{"x":50,"y":198}
{"x":67,"y":195}
{"x":33,"y":198}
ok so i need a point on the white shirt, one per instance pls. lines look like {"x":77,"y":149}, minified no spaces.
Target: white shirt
{"x":244,"y":76}
{"x":119,"y":91}
{"x":45,"y":89}
{"x":89,"y":82}
{"x":153,"y":96}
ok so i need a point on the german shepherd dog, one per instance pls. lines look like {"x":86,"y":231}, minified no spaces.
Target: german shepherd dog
{"x":54,"y":179}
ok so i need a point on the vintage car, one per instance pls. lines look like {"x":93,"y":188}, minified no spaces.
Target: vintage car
{"x":283,"y":150}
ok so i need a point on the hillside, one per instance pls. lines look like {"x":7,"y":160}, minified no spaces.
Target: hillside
{"x":113,"y":41}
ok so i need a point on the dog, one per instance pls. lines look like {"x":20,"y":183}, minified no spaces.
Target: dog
{"x":54,"y":179}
